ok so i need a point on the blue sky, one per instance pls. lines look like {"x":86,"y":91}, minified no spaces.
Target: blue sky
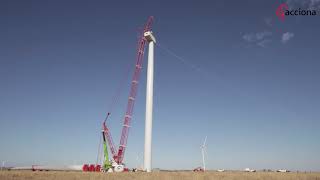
{"x":245,"y":79}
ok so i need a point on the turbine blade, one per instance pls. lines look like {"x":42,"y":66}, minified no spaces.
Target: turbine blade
{"x":205,"y":141}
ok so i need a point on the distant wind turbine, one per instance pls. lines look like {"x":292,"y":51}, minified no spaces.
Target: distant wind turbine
{"x":3,"y":162}
{"x":204,"y":152}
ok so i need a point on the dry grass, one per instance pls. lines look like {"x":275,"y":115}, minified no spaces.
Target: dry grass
{"x":28,"y":175}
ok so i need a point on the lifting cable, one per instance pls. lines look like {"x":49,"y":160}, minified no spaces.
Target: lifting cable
{"x":99,"y":153}
{"x":119,"y":90}
{"x":181,"y":59}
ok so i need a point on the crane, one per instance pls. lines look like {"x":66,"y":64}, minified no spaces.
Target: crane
{"x":118,"y":154}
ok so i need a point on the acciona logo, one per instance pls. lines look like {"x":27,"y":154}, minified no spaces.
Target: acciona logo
{"x":283,"y":11}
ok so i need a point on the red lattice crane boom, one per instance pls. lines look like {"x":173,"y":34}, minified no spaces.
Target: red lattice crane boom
{"x":118,"y":156}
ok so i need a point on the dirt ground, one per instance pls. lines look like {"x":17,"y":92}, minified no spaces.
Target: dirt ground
{"x":51,"y":175}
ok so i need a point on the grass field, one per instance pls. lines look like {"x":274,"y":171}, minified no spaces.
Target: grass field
{"x":29,"y":175}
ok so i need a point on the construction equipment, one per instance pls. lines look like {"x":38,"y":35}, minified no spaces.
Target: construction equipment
{"x":106,"y":163}
{"x":115,"y":164}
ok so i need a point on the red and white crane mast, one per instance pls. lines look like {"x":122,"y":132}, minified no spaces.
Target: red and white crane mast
{"x":118,"y":156}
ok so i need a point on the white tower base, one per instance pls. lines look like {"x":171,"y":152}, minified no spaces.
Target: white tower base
{"x":149,"y":103}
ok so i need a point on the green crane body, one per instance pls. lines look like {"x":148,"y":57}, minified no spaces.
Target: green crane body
{"x":106,"y":161}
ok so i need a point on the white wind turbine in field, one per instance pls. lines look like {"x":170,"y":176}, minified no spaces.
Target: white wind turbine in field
{"x":204,"y":153}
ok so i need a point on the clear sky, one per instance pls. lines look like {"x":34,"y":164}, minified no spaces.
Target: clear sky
{"x":245,"y":79}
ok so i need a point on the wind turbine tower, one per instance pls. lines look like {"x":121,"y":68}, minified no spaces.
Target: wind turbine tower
{"x":203,"y":152}
{"x":149,"y":103}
